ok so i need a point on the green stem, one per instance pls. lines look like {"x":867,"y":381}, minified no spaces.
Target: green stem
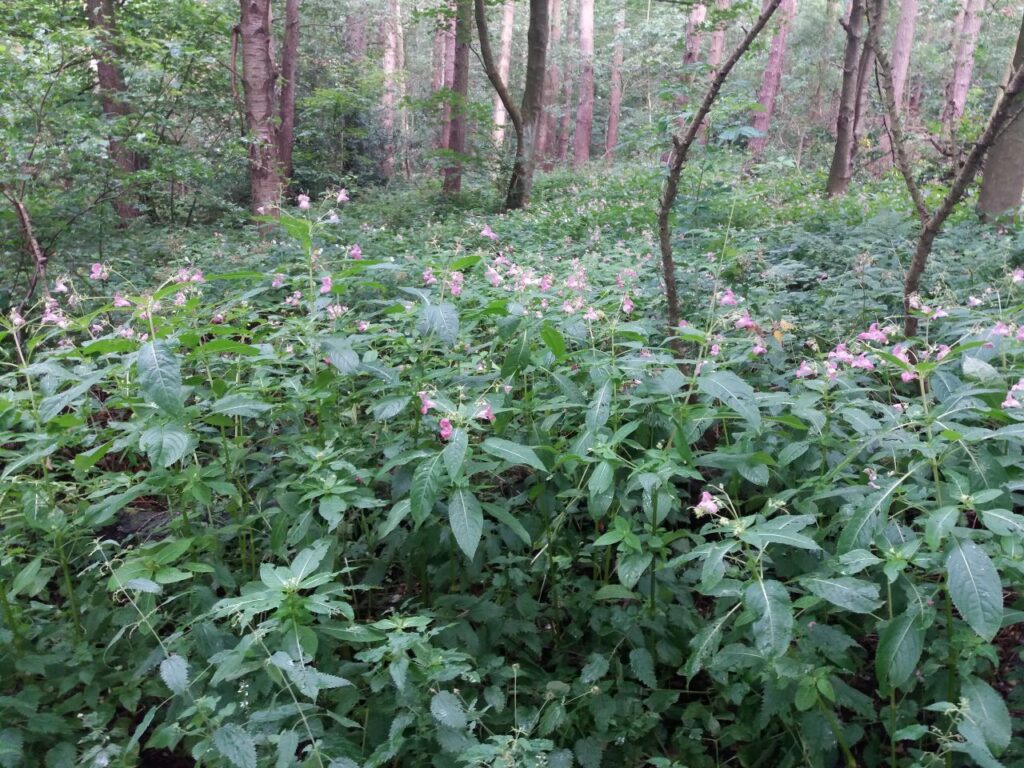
{"x":12,"y":623}
{"x":69,"y":586}
{"x":851,"y":761}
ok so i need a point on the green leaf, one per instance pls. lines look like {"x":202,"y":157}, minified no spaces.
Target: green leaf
{"x":63,"y":755}
{"x":856,"y":561}
{"x":454,"y":454}
{"x":425,"y":488}
{"x":441,"y":320}
{"x":25,"y":578}
{"x":976,"y":368}
{"x":160,"y":377}
{"x":11,"y":746}
{"x":398,"y":513}
{"x":1002,"y":522}
{"x":900,"y":642}
{"x":988,"y":712}
{"x":734,"y":392}
{"x":553,"y":340}
{"x":236,"y":745}
{"x":447,"y":710}
{"x":703,"y":644}
{"x":632,"y":566}
{"x":852,"y":594}
{"x":239,"y":405}
{"x":615,"y":592}
{"x":773,"y":616}
{"x":389,"y":407}
{"x":642,"y":666}
{"x":340,"y":354}
{"x":466,"y":519}
{"x":600,"y":408}
{"x":780,"y":530}
{"x":938,"y":525}
{"x":287,"y":745}
{"x":595,"y":668}
{"x":975,"y":587}
{"x":174,"y":673}
{"x":165,"y":444}
{"x":308,"y":560}
{"x":513,"y":452}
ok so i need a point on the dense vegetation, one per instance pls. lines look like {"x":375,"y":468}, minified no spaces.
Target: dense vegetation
{"x":385,"y":475}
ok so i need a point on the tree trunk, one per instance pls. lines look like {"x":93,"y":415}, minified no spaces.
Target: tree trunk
{"x":585,"y":110}
{"x":967,"y":28}
{"x":258,"y":78}
{"x":902,"y":46}
{"x":100,"y":16}
{"x":389,"y":98}
{"x":841,"y":169}
{"x":1002,"y":184}
{"x":717,"y":40}
{"x":355,"y":36}
{"x":694,"y":35}
{"x":547,"y":129}
{"x":565,"y":123}
{"x":460,"y":89}
{"x":865,"y":71}
{"x":615,"y":92}
{"x":532,"y":105}
{"x":831,"y":21}
{"x":772,"y":78}
{"x":508,"y":18}
{"x":289,"y":73}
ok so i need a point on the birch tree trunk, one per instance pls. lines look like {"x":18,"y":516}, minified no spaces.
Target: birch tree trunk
{"x":585,"y":110}
{"x":289,"y":73}
{"x":772,"y":78}
{"x":100,"y":17}
{"x":968,"y":26}
{"x":841,"y":168}
{"x":389,"y":98}
{"x":1002,"y":184}
{"x":508,"y":19}
{"x":460,"y":90}
{"x":258,"y":79}
{"x":611,"y":139}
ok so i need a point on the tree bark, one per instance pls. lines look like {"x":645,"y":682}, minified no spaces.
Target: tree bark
{"x":547,"y":128}
{"x":389,"y":97}
{"x":1002,"y":184}
{"x":100,"y":16}
{"x":611,"y":138}
{"x":585,"y":109}
{"x":772,"y":78}
{"x":967,"y":29}
{"x":841,"y":169}
{"x":565,"y":123}
{"x":717,"y":47}
{"x":449,"y":82}
{"x":508,"y":18}
{"x":289,"y":74}
{"x":355,"y":37}
{"x":258,"y":79}
{"x":677,"y":159}
{"x":902,"y":47}
{"x":831,"y":19}
{"x":531,"y":110}
{"x":694,"y":35}
{"x":460,"y":89}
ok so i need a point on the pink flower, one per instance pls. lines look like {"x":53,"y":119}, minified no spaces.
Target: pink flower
{"x":874,"y":334}
{"x":1010,"y":402}
{"x":1000,"y":329}
{"x":278,"y":281}
{"x":567,"y":307}
{"x":333,"y":218}
{"x":16,"y":319}
{"x":715,"y":350}
{"x":326,"y":284}
{"x":759,"y":349}
{"x":590,"y":314}
{"x":303,"y":201}
{"x":862,"y":362}
{"x":335,"y":311}
{"x":683,"y":324}
{"x":706,"y":506}
{"x":943,"y":351}
{"x":908,"y":376}
{"x":486,"y":413}
{"x":488,"y":233}
{"x":493,"y":277}
{"x":973,"y":301}
{"x":446,"y":429}
{"x":804,"y":370}
{"x":425,"y":403}
{"x":180,"y":298}
{"x":99,"y":272}
{"x":59,"y":286}
{"x":342,"y":195}
{"x":727,"y":298}
{"x":939,"y":312}
{"x":1018,"y":275}
{"x":197,"y":277}
{"x":52,"y":314}
{"x":355,"y":252}
{"x":841,"y":355}
{"x":455,"y":281}
{"x":428,"y":277}
{"x":627,"y":304}
{"x":545,"y":282}
{"x":901,"y":354}
{"x":362,"y":325}
{"x":294,"y":299}
{"x":120,"y":301}
{"x":744,"y":322}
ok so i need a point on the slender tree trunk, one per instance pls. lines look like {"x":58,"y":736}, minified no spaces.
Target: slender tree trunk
{"x":1002,"y":184}
{"x":532,"y":106}
{"x":968,"y":27}
{"x":615,"y":92}
{"x":355,"y":36}
{"x":831,"y":22}
{"x":449,"y":82}
{"x":547,"y":129}
{"x":389,"y":98}
{"x":112,"y":88}
{"x":902,"y":47}
{"x":772,"y":78}
{"x":460,"y":88}
{"x":585,"y":110}
{"x":841,"y":169}
{"x":258,"y":77}
{"x":717,"y":47}
{"x":865,"y":71}
{"x":289,"y":75}
{"x":508,"y":19}
{"x":565,"y":123}
{"x":694,"y":35}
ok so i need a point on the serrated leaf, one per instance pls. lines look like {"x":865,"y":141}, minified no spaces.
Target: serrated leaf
{"x":631,"y":567}
{"x":595,"y":668}
{"x":466,"y":519}
{"x":641,"y":664}
{"x":340,"y":354}
{"x":769,"y":601}
{"x":600,"y":407}
{"x":398,"y":513}
{"x":425,"y":488}
{"x":734,"y":392}
{"x":989,"y":713}
{"x":159,"y":373}
{"x":513,"y":452}
{"x":11,"y":746}
{"x":389,"y":407}
{"x":61,"y":756}
{"x":165,"y":444}
{"x":975,"y":587}
{"x":287,"y":745}
{"x":900,"y":642}
{"x":454,"y":454}
{"x":447,"y":710}
{"x":235,"y":745}
{"x":174,"y":673}
{"x":852,"y":594}
{"x":239,"y":405}
{"x":553,"y":340}
{"x":441,"y":320}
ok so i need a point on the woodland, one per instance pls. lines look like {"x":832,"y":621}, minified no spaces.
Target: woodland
{"x":511,"y":383}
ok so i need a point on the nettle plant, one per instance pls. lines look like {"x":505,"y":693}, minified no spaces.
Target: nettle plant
{"x":466,"y":508}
